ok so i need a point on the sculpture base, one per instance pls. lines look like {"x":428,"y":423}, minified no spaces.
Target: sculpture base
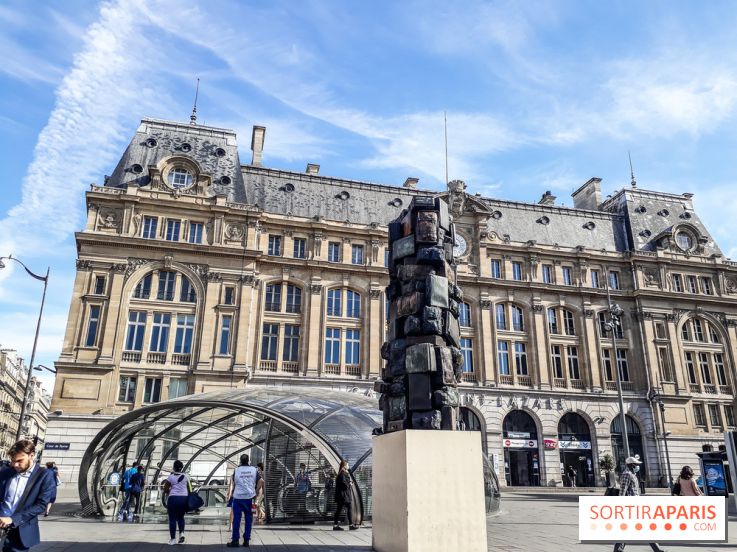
{"x":428,"y":492}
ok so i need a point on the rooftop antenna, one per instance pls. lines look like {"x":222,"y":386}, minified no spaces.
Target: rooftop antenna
{"x":445,"y":118}
{"x":193,"y":117}
{"x":633,"y":182}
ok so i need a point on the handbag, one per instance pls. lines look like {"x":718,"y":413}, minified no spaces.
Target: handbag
{"x":194,"y":500}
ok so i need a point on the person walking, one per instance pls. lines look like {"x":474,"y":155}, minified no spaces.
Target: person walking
{"x":176,"y":486}
{"x":52,"y":466}
{"x":25,"y":490}
{"x":687,"y":484}
{"x":571,"y":473}
{"x":126,"y":485}
{"x":260,"y":495}
{"x":302,"y":485}
{"x":138,"y":482}
{"x":243,"y":490}
{"x":274,"y":484}
{"x":343,"y":497}
{"x":630,"y":486}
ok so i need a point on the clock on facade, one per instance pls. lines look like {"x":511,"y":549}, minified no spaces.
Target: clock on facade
{"x":460,"y":246}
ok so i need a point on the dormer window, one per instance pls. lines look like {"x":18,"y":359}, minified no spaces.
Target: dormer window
{"x":179,"y":177}
{"x":684,"y":240}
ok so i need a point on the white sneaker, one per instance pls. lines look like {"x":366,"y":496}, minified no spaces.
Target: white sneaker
{"x":172,"y":541}
{"x":181,"y":538}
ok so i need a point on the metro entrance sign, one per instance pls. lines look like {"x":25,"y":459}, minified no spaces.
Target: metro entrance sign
{"x":519,"y":443}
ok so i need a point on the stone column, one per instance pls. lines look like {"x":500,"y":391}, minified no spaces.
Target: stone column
{"x":372,"y":358}
{"x":314,"y":331}
{"x":539,"y":340}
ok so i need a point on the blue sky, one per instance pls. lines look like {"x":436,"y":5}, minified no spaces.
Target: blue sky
{"x":539,"y":96}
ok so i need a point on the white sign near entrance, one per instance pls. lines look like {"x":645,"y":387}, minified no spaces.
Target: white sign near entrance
{"x":519,"y":443}
{"x":574,"y":444}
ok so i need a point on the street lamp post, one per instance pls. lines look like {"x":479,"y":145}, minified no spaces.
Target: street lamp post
{"x":615,"y":312}
{"x":45,"y":280}
{"x":655,"y":397}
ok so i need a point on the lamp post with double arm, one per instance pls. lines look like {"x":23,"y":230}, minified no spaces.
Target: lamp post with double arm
{"x":45,"y":280}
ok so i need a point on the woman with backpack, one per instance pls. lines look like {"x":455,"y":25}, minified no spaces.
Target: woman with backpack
{"x":176,"y":486}
{"x":686,"y":485}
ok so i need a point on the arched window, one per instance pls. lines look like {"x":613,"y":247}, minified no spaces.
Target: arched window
{"x":353,"y":304}
{"x":518,"y":321}
{"x":179,"y":177}
{"x":273,"y":297}
{"x":464,"y":316}
{"x":574,"y":443}
{"x":561,"y":319}
{"x":334,"y":302}
{"x":188,"y":294}
{"x":294,"y":299}
{"x":167,"y":284}
{"x":634,"y":436}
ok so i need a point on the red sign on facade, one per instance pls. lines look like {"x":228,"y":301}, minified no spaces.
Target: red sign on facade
{"x":550,"y":443}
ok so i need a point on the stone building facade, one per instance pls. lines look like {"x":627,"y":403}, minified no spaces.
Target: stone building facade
{"x":196,"y":272}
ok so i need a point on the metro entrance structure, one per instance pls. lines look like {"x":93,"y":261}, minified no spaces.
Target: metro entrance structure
{"x":282,"y":427}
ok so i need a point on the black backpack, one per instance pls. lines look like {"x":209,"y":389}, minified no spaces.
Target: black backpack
{"x":676,"y":489}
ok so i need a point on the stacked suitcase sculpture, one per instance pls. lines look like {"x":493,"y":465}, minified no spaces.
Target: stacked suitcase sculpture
{"x":422,"y":353}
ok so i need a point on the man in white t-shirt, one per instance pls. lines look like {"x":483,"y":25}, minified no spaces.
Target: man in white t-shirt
{"x":242,"y":490}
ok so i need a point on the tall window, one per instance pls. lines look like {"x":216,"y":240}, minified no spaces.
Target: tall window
{"x":274,"y":245}
{"x":573,"y":370}
{"x":729,"y":415}
{"x":152,"y":390}
{"x":184,"y":334}
{"x":604,"y":331}
{"x":704,"y":368}
{"x":693,"y":286}
{"x":172,"y":230}
{"x":229,"y":295}
{"x":160,"y":332}
{"x":520,"y":358}
{"x":606,"y":358}
{"x":496,"y":268}
{"x":501,"y":317}
{"x":677,"y":282}
{"x":624,"y":373}
{"x":595,"y":282}
{"x":568,"y":324}
{"x":332,"y":346}
{"x":334,"y":307}
{"x":720,"y":370}
{"x":136,"y":329}
{"x":167,"y":281}
{"x":699,"y":415}
{"x":706,"y":286}
{"x":195,"y":232}
{"x":690,"y":367}
{"x":516,"y":270}
{"x":502,"y":348}
{"x":552,"y":321}
{"x":666,"y":367}
{"x":353,"y":304}
{"x":614,"y":279}
{"x":518,"y":320}
{"x":177,"y":387}
{"x":300,"y":248}
{"x":557,"y":361}
{"x":273,"y":297}
{"x":270,"y":341}
{"x":715,"y":415}
{"x":467,"y":352}
{"x":127,"y":389}
{"x":143,"y":288}
{"x":698,"y":330}
{"x":567,"y":276}
{"x":352,"y":346}
{"x":713,"y":335}
{"x":548,"y":274}
{"x":334,"y":252}
{"x":187,"y":293}
{"x":99,"y":285}
{"x":464,"y":316}
{"x":225,"y":330}
{"x":149,"y":227}
{"x":290,"y":352}
{"x":294,"y":299}
{"x":357,"y":254}
{"x":92,"y":325}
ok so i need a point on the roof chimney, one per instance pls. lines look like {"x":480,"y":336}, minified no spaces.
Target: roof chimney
{"x":257,"y":144}
{"x":588,"y":196}
{"x":411,"y":182}
{"x":547,"y":199}
{"x":312,"y":168}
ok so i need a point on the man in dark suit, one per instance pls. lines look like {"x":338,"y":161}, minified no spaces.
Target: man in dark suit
{"x":25,"y":491}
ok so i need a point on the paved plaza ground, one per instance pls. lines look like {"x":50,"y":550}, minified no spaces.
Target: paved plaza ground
{"x":529,"y":522}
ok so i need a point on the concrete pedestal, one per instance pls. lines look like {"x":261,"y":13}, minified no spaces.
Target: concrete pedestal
{"x":428,"y":492}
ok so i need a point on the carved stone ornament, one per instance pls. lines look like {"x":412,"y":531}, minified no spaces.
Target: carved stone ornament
{"x":234,"y":232}
{"x":652,"y":277}
{"x":199,"y":269}
{"x":537,"y":308}
{"x":119,"y":268}
{"x":670,"y":317}
{"x":168,"y":260}
{"x":83,"y":264}
{"x":214,"y":277}
{"x":457,"y":197}
{"x":678,"y":314}
{"x":134,"y":264}
{"x":316,"y":289}
{"x":375,"y":244}
{"x":247,"y":279}
{"x":485,"y":303}
{"x":731,"y":322}
{"x":588,"y":313}
{"x":109,"y":219}
{"x":731,"y":285}
{"x":318,"y":237}
{"x":375,"y":293}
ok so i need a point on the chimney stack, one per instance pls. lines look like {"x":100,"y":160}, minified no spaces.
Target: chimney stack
{"x":547,"y":199}
{"x":411,"y":182}
{"x":588,"y":196}
{"x":312,"y":168}
{"x":257,"y":144}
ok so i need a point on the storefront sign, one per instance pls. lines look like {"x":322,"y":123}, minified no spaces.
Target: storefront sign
{"x":574,"y":445}
{"x":519,"y":443}
{"x":518,"y":434}
{"x":550,"y":443}
{"x":56,"y":446}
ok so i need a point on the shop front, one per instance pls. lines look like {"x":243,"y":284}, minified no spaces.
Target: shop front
{"x":576,"y":455}
{"x":634,"y":436}
{"x":521,"y":450}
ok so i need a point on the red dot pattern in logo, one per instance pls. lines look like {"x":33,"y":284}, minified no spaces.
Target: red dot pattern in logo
{"x":683,"y":526}
{"x":653,"y":526}
{"x":638,"y":526}
{"x":668,"y":527}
